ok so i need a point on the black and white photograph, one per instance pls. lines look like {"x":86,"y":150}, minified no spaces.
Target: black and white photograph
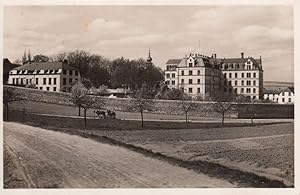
{"x":148,"y":96}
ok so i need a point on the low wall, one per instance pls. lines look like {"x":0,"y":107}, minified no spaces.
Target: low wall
{"x":204,"y":109}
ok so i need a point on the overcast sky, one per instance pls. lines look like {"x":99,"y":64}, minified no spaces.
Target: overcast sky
{"x":170,"y":32}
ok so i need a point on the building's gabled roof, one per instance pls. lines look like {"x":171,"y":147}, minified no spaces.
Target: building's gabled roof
{"x":7,"y":65}
{"x":241,"y":61}
{"x":45,"y":66}
{"x":174,"y":61}
{"x":277,"y":90}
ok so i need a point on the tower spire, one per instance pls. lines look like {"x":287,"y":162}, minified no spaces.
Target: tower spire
{"x":149,"y":59}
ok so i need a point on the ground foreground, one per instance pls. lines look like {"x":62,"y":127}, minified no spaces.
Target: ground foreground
{"x":38,"y":158}
{"x":266,"y":150}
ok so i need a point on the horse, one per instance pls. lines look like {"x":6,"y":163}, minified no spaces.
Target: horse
{"x":99,"y":113}
{"x":111,"y":114}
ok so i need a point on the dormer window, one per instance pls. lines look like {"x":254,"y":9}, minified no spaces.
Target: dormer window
{"x":190,"y":64}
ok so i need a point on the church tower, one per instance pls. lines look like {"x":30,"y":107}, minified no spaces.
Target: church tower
{"x":149,"y":59}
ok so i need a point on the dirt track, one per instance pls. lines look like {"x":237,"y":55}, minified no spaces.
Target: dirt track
{"x":52,"y":159}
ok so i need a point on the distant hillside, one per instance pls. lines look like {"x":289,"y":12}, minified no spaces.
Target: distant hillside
{"x":278,"y":84}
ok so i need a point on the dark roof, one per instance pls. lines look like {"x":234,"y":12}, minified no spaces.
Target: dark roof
{"x":277,"y":90}
{"x":173,"y":61}
{"x":240,"y":61}
{"x":7,"y":65}
{"x":45,"y":66}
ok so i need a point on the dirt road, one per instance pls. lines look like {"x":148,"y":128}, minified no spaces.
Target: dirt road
{"x":52,"y":159}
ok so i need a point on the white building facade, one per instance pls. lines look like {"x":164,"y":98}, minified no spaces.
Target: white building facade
{"x":195,"y":74}
{"x":281,"y":95}
{"x":244,"y":76}
{"x":48,"y":76}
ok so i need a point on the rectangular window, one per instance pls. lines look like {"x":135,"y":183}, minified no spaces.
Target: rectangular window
{"x":283,"y":99}
{"x":49,"y":82}
{"x":190,"y":64}
{"x":225,"y":75}
{"x":13,"y":81}
{"x":190,"y":72}
{"x":44,"y":81}
{"x":65,"y":81}
{"x":198,"y":81}
{"x":290,"y":100}
{"x":70,"y":81}
{"x":242,"y":75}
{"x":190,"y":81}
{"x":229,"y":83}
{"x":254,"y":90}
{"x":168,"y":75}
{"x":48,"y":88}
{"x":54,"y":81}
{"x":64,"y":72}
{"x":36,"y":81}
{"x":236,"y":75}
{"x":54,"y":88}
{"x":199,"y":72}
{"x":242,"y":90}
{"x":254,"y":75}
{"x":173,"y":75}
{"x":182,"y":81}
{"x":41,"y":88}
{"x":168,"y":82}
{"x":225,"y":83}
{"x":235,"y":90}
{"x":182,"y":72}
{"x":76,"y":73}
{"x":242,"y":82}
{"x":173,"y":82}
{"x":190,"y":90}
{"x":229,"y":75}
{"x":198,"y":90}
{"x":70,"y":72}
{"x":235,"y":83}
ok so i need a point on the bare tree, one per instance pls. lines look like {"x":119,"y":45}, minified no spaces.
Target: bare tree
{"x":78,"y":93}
{"x":186,"y":105}
{"x":223,"y":103}
{"x":141,"y":102}
{"x":87,"y":103}
{"x":248,"y":106}
{"x":9,"y":96}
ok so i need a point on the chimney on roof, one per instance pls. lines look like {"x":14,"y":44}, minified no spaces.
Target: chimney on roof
{"x":242,"y":55}
{"x":215,"y":56}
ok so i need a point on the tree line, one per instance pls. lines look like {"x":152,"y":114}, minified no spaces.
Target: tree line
{"x":97,"y":70}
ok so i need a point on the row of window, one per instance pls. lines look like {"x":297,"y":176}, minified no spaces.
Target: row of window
{"x":168,"y":75}
{"x":70,"y":72}
{"x":190,"y":90}
{"x":172,"y":82}
{"x":235,"y":83}
{"x":48,"y":88}
{"x":248,"y":90}
{"x":70,"y":81}
{"x":45,"y":81}
{"x":235,"y":75}
{"x":282,"y":100}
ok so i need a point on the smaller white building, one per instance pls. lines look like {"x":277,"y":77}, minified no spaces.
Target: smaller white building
{"x":280,"y":95}
{"x":48,"y":76}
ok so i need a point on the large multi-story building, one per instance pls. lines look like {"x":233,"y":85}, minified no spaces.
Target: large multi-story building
{"x":244,"y":75}
{"x":199,"y":75}
{"x":48,"y":76}
{"x":195,"y":74}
